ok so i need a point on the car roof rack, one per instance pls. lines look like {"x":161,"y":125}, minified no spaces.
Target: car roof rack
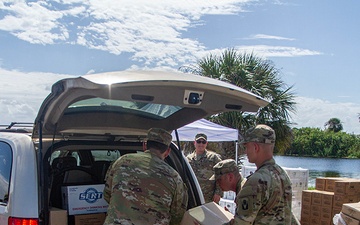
{"x":17,"y":127}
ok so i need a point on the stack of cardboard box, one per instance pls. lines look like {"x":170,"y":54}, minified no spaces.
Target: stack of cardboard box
{"x":82,"y":205}
{"x":299,"y":178}
{"x":350,"y":214}
{"x":319,"y":206}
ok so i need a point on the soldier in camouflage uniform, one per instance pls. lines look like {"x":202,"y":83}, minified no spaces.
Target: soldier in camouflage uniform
{"x":266,"y":196}
{"x":142,"y":189}
{"x":227,"y":176}
{"x":202,"y":162}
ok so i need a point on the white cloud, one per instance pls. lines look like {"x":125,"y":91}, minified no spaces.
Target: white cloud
{"x":22,"y":94}
{"x":277,"y":51}
{"x":263,"y":51}
{"x":33,"y":22}
{"x":150,"y":30}
{"x":316,"y":112}
{"x":265,"y":36}
{"x":140,"y":27}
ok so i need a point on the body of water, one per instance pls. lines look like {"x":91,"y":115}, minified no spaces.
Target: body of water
{"x":320,"y":167}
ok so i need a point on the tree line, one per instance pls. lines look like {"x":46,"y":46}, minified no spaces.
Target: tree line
{"x":323,"y":143}
{"x":331,"y":142}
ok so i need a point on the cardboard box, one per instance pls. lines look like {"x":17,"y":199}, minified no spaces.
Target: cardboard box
{"x":305,"y":214}
{"x":325,"y":222}
{"x":315,"y":220}
{"x":84,"y":199}
{"x":352,"y":210}
{"x":306,"y":197}
{"x":315,"y":211}
{"x":339,"y":200}
{"x":326,"y":215}
{"x":229,"y":195}
{"x":207,"y":214}
{"x":229,"y":204}
{"x":347,"y":187}
{"x":299,"y":184}
{"x":330,"y":183}
{"x":296,"y":173}
{"x":349,"y":220}
{"x":58,"y":216}
{"x":327,"y":198}
{"x":320,"y":183}
{"x":247,"y":170}
{"x":90,"y":219}
{"x":316,"y":197}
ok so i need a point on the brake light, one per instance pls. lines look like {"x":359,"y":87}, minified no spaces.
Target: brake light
{"x":23,"y":221}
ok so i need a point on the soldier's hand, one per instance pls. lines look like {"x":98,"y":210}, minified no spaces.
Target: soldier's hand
{"x":216,"y":198}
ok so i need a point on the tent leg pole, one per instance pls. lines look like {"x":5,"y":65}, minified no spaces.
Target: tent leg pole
{"x":236,"y":152}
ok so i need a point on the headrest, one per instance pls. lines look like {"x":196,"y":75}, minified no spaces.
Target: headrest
{"x":63,"y":163}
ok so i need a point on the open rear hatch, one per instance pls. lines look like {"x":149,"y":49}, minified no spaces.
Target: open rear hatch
{"x":134,"y":101}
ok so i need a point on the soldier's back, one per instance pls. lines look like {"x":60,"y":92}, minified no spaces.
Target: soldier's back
{"x":143,"y":187}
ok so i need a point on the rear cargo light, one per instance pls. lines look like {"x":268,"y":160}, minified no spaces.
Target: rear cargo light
{"x":23,"y":221}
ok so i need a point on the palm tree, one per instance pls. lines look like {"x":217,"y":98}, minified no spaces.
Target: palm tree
{"x":258,"y":76}
{"x":334,"y":124}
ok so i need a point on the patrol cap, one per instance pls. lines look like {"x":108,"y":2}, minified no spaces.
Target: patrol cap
{"x":260,"y":134}
{"x":224,"y":167}
{"x":200,"y":136}
{"x":159,"y":135}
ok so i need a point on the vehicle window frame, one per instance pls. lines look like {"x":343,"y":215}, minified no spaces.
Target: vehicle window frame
{"x":5,"y":180}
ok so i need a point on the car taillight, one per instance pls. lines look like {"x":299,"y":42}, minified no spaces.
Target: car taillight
{"x":22,"y":221}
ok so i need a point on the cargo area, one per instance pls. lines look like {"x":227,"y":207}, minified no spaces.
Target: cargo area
{"x":76,"y":178}
{"x":76,"y":184}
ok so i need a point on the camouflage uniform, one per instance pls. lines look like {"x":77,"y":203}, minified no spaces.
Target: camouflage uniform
{"x":203,"y":169}
{"x":142,"y":189}
{"x":266,"y":196}
{"x":241,"y":182}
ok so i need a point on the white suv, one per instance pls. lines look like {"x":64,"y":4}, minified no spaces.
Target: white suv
{"x":87,"y":122}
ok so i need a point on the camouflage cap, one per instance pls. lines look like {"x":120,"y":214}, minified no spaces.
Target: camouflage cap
{"x":261,"y":134}
{"x":223,"y":167}
{"x":159,"y":135}
{"x":200,"y":136}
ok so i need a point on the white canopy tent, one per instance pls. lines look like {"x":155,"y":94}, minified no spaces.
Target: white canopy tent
{"x":214,"y":132}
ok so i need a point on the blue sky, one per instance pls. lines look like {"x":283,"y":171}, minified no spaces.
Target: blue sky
{"x":315,"y":44}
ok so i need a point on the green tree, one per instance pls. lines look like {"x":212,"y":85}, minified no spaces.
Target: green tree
{"x":319,"y":143}
{"x":334,"y":124}
{"x":258,"y":76}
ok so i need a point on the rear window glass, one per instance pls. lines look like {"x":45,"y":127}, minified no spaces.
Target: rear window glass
{"x":110,"y":155}
{"x":156,"y":111}
{"x":5,"y":170}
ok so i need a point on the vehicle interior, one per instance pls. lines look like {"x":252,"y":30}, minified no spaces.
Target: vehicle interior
{"x":73,"y":163}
